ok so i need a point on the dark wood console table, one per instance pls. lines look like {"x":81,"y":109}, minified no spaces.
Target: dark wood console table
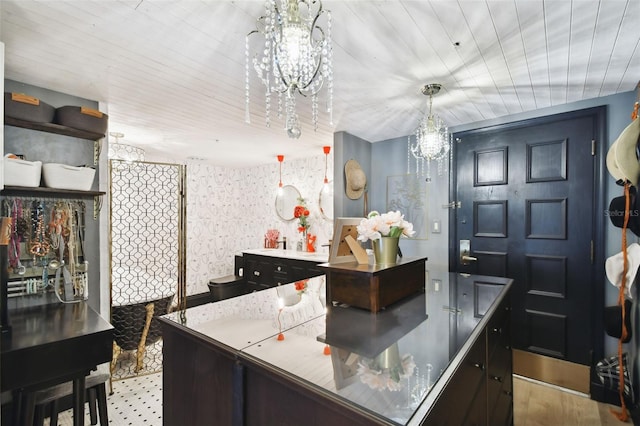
{"x":52,"y":344}
{"x":374,"y":287}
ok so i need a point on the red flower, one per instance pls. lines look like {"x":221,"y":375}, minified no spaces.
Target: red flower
{"x":301,"y":285}
{"x":300,"y":211}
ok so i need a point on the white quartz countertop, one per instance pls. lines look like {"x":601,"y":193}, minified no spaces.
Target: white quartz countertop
{"x":291,"y":254}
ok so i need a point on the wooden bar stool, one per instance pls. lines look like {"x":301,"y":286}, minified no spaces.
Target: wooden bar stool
{"x":58,"y":398}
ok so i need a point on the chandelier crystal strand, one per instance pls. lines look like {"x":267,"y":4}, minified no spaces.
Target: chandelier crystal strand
{"x":409,"y":154}
{"x":296,"y":58}
{"x":329,"y":69}
{"x":247,"y":114}
{"x":314,"y":111}
{"x":267,"y":106}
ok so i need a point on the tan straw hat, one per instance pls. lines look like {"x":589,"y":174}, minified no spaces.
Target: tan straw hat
{"x":622,"y":161}
{"x":356,"y":180}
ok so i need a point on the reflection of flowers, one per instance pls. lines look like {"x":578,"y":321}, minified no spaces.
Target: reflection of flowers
{"x":386,"y":378}
{"x":391,"y":224}
{"x":271,"y":238}
{"x":301,"y":213}
{"x":301,"y":286}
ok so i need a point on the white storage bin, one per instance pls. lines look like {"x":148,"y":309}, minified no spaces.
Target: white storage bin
{"x":61,"y":176}
{"x":21,"y":172}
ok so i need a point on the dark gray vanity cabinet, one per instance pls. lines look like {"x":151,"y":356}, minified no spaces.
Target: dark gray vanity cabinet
{"x":269,"y":271}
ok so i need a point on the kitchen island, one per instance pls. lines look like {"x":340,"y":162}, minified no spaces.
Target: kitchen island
{"x":282,"y":356}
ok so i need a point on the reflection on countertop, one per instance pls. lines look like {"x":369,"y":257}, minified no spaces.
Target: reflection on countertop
{"x":386,"y":364}
{"x":290,"y":254}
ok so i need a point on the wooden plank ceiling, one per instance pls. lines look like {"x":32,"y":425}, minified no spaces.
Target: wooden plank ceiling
{"x":171,"y":73}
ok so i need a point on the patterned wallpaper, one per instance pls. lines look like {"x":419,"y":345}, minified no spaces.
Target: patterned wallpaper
{"x":229,"y":210}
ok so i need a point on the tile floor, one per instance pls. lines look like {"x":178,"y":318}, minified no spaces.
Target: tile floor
{"x":136,"y":401}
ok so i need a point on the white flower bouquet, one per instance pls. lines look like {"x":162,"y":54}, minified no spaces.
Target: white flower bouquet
{"x":391,"y":224}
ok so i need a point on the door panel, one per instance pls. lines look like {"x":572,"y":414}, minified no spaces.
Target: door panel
{"x":527,"y":198}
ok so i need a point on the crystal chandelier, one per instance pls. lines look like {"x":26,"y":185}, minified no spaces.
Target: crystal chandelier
{"x":124,"y":152}
{"x":294,"y":58}
{"x":432,"y":138}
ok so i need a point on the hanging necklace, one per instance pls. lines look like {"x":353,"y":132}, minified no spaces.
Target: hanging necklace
{"x":39,"y":245}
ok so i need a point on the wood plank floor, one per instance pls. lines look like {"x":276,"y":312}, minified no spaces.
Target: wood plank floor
{"x":536,"y":404}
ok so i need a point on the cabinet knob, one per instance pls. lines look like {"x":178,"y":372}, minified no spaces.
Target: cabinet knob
{"x":256,"y":273}
{"x":479,"y":365}
{"x":497,"y":330}
{"x":279,"y":268}
{"x":497,"y":378}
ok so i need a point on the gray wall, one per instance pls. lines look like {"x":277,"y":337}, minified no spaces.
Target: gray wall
{"x":389,"y":158}
{"x":347,"y":147}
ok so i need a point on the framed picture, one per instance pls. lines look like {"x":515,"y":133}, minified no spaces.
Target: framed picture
{"x":340,"y":251}
{"x":408,"y":194}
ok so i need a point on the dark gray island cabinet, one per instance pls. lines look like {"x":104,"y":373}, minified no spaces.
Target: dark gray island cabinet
{"x":282,"y":356}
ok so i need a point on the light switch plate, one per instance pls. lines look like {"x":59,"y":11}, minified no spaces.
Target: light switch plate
{"x":436,"y":285}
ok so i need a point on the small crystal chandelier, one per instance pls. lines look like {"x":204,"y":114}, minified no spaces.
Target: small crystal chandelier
{"x":295,"y":58}
{"x":432,"y":138}
{"x":124,"y":152}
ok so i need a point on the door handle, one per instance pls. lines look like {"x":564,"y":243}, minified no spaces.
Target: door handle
{"x":465,"y":252}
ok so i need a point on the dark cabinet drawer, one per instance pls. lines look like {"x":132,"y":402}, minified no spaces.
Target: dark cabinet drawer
{"x":270,"y":271}
{"x":257,"y":271}
{"x":498,"y":375}
{"x":477,"y":414}
{"x":502,"y":413}
{"x":461,"y":395}
{"x":499,"y":328}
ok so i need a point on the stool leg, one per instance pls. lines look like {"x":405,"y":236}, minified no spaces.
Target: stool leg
{"x":38,"y":417}
{"x":16,"y":407}
{"x":54,"y":413}
{"x":28,"y":406}
{"x":101,"y":390}
{"x":91,"y":400}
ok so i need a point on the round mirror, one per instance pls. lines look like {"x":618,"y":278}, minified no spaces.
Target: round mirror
{"x":286,"y":200}
{"x":325,"y":201}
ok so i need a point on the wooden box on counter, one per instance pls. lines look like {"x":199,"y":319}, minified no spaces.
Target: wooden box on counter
{"x":374,"y":287}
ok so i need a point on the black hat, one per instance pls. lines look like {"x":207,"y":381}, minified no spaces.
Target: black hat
{"x":616,"y":211}
{"x":613,"y":320}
